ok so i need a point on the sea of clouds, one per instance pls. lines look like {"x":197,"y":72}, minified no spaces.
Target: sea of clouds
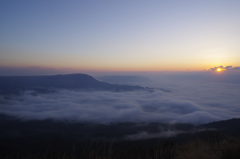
{"x":190,"y":101}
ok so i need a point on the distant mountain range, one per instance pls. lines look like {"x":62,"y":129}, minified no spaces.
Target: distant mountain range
{"x":15,"y":84}
{"x":124,"y":79}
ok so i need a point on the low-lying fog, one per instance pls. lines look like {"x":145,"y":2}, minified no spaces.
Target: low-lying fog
{"x":189,"y":98}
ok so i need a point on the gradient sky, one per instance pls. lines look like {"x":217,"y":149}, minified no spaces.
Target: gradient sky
{"x":126,"y":35}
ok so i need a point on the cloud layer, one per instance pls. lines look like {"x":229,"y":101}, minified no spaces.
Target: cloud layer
{"x":188,"y":103}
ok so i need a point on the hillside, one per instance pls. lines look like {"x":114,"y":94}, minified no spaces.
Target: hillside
{"x":15,"y":84}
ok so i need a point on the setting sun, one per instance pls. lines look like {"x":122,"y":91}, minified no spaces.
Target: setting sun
{"x":219,"y":70}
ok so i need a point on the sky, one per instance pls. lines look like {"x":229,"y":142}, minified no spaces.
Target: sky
{"x":126,"y":35}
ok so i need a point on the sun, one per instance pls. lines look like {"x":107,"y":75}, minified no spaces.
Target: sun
{"x":219,"y":69}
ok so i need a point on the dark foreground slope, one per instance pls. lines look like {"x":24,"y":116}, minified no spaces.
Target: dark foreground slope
{"x":12,"y":127}
{"x":61,"y":139}
{"x":225,"y":126}
{"x":15,"y":84}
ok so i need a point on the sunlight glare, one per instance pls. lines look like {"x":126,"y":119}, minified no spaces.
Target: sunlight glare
{"x":219,"y":70}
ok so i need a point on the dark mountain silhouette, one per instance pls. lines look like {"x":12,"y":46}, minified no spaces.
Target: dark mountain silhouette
{"x":12,"y":127}
{"x":229,"y":126}
{"x":15,"y":84}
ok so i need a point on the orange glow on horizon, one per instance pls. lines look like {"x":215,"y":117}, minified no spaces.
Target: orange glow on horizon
{"x":116,"y":68}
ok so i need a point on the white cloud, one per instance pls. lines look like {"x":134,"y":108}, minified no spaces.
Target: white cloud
{"x":188,"y":103}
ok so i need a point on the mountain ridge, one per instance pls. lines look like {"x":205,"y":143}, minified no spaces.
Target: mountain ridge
{"x":15,"y":84}
{"x":229,"y":125}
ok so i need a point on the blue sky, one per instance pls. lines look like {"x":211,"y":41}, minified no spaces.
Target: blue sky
{"x":120,"y":35}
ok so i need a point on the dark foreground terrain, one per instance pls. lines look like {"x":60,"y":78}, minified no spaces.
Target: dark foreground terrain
{"x":63,"y":139}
